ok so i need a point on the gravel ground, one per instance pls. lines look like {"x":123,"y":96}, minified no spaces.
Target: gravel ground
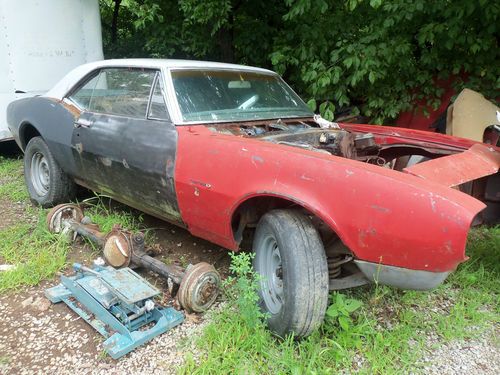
{"x":465,"y":357}
{"x":43,"y":338}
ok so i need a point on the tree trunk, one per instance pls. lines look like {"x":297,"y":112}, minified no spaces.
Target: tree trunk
{"x":114,"y":23}
{"x":225,"y":41}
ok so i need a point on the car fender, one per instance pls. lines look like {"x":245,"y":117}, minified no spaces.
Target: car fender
{"x":383,"y":216}
{"x":52,"y":119}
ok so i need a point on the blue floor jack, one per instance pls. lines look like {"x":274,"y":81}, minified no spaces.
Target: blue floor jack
{"x":118,"y":303}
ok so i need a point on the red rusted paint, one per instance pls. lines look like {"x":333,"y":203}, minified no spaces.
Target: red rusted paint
{"x":378,"y":213}
{"x":479,"y":161}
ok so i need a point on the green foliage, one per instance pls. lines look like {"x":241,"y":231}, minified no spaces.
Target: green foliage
{"x":385,"y":55}
{"x":339,"y":313}
{"x":11,"y":180}
{"x":241,"y":289}
{"x":100,"y":211}
{"x":380,"y":56}
{"x":35,"y":253}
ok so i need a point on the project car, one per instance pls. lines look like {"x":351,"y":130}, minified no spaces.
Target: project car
{"x":232,"y":154}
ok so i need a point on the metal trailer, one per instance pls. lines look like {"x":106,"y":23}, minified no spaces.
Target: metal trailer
{"x":41,"y":41}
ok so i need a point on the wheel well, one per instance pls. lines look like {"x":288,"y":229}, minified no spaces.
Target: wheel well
{"x":28,"y":131}
{"x":342,"y":270}
{"x":249,"y":212}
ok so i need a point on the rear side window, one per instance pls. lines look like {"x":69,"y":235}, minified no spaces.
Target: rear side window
{"x":118,"y":91}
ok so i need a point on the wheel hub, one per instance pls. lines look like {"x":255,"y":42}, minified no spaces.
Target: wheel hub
{"x":199,"y":287}
{"x":271,"y":270}
{"x":40,"y":174}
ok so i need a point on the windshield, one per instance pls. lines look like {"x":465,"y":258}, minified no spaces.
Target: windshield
{"x":222,"y":95}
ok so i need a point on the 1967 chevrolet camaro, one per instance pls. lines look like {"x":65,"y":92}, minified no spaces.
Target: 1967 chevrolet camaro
{"x":231,"y":152}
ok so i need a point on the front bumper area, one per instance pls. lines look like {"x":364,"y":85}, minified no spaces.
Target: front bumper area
{"x":403,"y":278}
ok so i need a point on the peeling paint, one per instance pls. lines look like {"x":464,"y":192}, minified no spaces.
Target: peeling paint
{"x":306,"y":178}
{"x":380,"y":208}
{"x":257,"y":159}
{"x":433,"y":202}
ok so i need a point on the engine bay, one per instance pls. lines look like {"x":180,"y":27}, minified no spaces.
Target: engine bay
{"x":339,"y":142}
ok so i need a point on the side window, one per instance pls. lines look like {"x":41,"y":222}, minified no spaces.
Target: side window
{"x":158,"y":107}
{"x":83,"y":95}
{"x":118,"y":91}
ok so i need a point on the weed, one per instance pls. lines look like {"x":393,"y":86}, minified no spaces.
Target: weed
{"x":183,"y":261}
{"x":340,"y":311}
{"x":4,"y":360}
{"x":99,"y":209}
{"x":103,"y":355}
{"x":12,"y":185}
{"x":36,"y":253}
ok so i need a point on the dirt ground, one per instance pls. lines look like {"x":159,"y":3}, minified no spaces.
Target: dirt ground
{"x":38,"y":337}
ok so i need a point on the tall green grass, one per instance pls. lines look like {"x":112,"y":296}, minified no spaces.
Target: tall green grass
{"x":12,"y":185}
{"x":35,"y":253}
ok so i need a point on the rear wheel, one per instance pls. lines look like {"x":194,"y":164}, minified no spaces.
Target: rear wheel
{"x":47,"y":184}
{"x":290,"y":258}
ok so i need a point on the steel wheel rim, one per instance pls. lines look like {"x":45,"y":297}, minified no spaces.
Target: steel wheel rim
{"x":271,"y":271}
{"x":40,"y":174}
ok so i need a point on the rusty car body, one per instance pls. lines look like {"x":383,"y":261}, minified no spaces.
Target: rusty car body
{"x":230,"y":152}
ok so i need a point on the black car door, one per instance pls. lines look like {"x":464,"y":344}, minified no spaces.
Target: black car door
{"x":124,"y":141}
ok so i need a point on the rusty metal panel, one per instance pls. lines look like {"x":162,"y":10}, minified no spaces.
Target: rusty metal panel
{"x":478,"y":161}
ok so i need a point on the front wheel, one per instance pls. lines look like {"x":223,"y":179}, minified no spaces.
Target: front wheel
{"x":47,"y":184}
{"x":291,"y":262}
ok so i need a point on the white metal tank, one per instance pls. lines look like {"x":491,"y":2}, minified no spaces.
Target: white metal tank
{"x":41,"y":41}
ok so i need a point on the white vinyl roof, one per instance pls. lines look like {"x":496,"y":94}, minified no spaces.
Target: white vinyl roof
{"x":72,"y":78}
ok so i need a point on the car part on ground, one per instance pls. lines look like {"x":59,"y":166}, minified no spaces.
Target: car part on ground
{"x":47,"y":184}
{"x":118,"y":303}
{"x":197,"y":287}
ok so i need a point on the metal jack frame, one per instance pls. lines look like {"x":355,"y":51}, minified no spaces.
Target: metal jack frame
{"x":197,"y":286}
{"x":118,"y":303}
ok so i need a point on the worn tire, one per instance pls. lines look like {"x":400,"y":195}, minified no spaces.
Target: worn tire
{"x":59,"y":187}
{"x":304,"y":272}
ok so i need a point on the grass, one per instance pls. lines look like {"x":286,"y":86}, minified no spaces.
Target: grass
{"x":36,"y":253}
{"x":100,"y":210}
{"x":12,"y":185}
{"x":382,"y":330}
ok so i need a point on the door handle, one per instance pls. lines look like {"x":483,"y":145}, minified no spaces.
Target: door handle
{"x":83,"y":123}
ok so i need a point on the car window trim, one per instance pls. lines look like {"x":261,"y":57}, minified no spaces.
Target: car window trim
{"x":157,"y":78}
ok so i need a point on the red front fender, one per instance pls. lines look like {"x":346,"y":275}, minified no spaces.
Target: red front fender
{"x":382,"y":215}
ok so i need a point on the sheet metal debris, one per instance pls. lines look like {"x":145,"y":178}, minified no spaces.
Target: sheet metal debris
{"x":453,"y":170}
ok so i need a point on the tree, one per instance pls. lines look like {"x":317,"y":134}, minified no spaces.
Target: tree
{"x":385,"y":55}
{"x":380,"y":56}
